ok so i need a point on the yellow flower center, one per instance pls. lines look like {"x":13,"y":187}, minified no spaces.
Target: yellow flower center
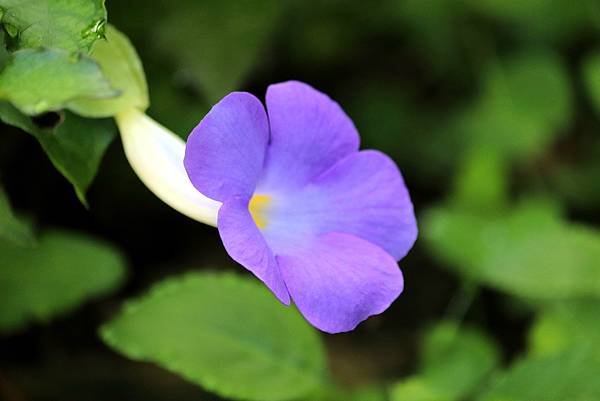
{"x":258,"y":205}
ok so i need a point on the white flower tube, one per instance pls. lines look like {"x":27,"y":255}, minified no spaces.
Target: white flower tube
{"x":156,"y":155}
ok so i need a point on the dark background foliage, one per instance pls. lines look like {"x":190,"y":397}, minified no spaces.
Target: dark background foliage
{"x":484,"y":105}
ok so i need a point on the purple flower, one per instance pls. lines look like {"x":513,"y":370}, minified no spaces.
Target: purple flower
{"x":317,"y":220}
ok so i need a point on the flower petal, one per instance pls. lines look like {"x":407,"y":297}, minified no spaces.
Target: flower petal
{"x":309,"y":133}
{"x":246,"y":245}
{"x":225,"y":153}
{"x":340,"y":280}
{"x":363,"y":195}
{"x":156,"y":155}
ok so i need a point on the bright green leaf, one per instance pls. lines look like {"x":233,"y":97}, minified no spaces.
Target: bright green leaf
{"x":569,"y":376}
{"x":228,"y":334}
{"x":529,"y":252}
{"x":39,"y":80}
{"x":591,"y":76}
{"x":524,"y":104}
{"x":417,"y":388}
{"x":67,"y":24}
{"x":217,"y":42}
{"x":566,"y":325}
{"x":122,"y":67}
{"x":57,"y":274}
{"x":11,"y":227}
{"x":455,"y":362}
{"x":75,"y":146}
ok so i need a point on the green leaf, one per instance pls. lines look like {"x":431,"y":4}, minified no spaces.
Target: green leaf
{"x":368,"y":393}
{"x":333,"y":392}
{"x":455,"y":362}
{"x":591,"y":76}
{"x":56,"y":275}
{"x":39,"y":80}
{"x":524,"y":104}
{"x":569,"y":376}
{"x":417,"y":388}
{"x":11,"y":227}
{"x":75,"y":146}
{"x":564,"y":326}
{"x":482,"y":182}
{"x":225,"y":333}
{"x":122,"y":67}
{"x":529,"y":252}
{"x":217,"y":42}
{"x":67,"y":24}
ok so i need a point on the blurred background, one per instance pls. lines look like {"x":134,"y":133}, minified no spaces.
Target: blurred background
{"x":491,"y":109}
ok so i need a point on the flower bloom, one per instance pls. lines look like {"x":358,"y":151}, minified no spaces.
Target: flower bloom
{"x":318,"y":221}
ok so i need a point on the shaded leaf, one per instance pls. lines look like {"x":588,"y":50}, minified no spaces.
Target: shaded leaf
{"x":13,"y":228}
{"x":174,"y":106}
{"x":529,"y":252}
{"x":227,"y":38}
{"x":578,"y":183}
{"x":228,"y":334}
{"x":312,"y":39}
{"x":39,"y":80}
{"x":415,"y":135}
{"x":67,"y":24}
{"x":57,"y":274}
{"x":591,"y":76}
{"x":4,"y":53}
{"x":551,"y":20}
{"x":75,"y":146}
{"x":123,"y":69}
{"x":455,"y":362}
{"x":436,"y":25}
